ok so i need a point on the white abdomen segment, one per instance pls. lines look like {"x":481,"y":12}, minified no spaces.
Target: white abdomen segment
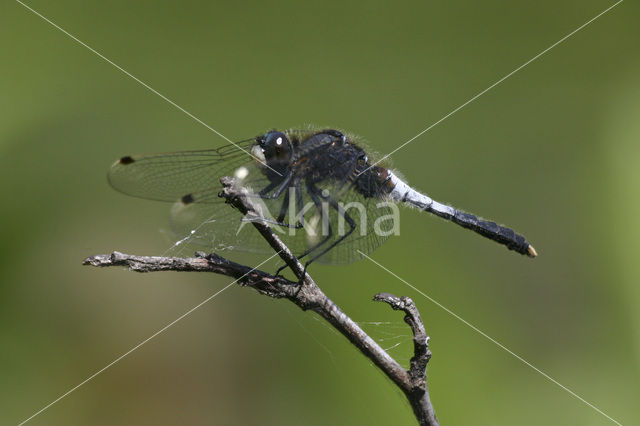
{"x":404,"y":193}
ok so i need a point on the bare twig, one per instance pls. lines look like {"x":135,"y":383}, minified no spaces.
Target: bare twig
{"x":307,"y":295}
{"x":418,"y":394}
{"x":267,"y":284}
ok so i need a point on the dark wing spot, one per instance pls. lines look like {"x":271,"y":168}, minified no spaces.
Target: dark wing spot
{"x":187,"y":199}
{"x":126,"y":160}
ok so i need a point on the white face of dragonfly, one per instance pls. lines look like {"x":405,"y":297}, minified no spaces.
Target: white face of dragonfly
{"x":258,"y":152}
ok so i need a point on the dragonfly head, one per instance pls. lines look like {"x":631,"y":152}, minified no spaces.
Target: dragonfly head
{"x":276,"y":148}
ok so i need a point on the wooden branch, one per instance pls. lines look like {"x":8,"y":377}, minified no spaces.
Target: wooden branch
{"x":418,"y":393}
{"x":267,"y":284}
{"x":307,"y":295}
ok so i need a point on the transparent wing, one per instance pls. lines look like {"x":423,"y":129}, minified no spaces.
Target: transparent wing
{"x":308,"y":226}
{"x":373,"y":221}
{"x":309,"y":220}
{"x":170,"y":176}
{"x":207,"y":221}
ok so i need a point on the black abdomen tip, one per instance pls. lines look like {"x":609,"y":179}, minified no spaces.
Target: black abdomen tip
{"x":500,"y":234}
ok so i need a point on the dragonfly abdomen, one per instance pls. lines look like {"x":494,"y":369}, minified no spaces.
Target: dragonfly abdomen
{"x":500,"y":234}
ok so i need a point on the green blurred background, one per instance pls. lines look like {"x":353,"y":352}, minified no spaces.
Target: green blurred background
{"x":552,"y":151}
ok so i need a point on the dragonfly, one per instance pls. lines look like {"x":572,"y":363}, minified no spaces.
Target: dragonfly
{"x":317,"y":188}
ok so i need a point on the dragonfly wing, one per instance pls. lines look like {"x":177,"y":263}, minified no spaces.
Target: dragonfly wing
{"x":206,"y":220}
{"x":191,"y":180}
{"x":374,"y":221}
{"x":170,"y":176}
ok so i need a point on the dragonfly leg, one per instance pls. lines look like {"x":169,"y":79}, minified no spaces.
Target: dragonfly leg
{"x":313,"y":192}
{"x":267,"y":189}
{"x":279,"y":188}
{"x":299,"y":201}
{"x":280,"y":269}
{"x":274,"y":222}
{"x":347,"y":218}
{"x":283,"y":208}
{"x":285,"y":204}
{"x":283,"y":211}
{"x":315,"y":195}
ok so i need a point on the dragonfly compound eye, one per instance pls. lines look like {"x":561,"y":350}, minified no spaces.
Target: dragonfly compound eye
{"x":277,"y":148}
